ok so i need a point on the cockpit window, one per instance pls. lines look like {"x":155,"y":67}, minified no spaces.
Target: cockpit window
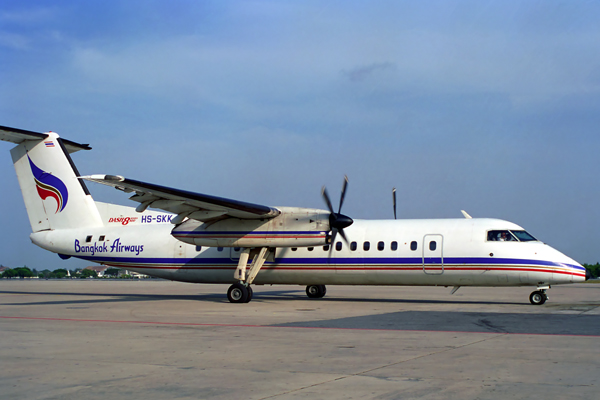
{"x":523,"y":236}
{"x":501,"y":236}
{"x":509,"y":236}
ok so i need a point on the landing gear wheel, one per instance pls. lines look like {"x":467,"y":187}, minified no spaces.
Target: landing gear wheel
{"x":538,"y":298}
{"x":323,"y":290}
{"x":250,"y":294}
{"x":316,"y":291}
{"x":237,"y":293}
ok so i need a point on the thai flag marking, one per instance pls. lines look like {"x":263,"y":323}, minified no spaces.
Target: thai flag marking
{"x":49,"y":144}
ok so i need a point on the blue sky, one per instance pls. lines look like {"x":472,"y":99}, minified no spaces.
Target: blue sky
{"x":492,"y":107}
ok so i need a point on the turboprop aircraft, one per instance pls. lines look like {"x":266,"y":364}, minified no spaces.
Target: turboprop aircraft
{"x":208,"y":239}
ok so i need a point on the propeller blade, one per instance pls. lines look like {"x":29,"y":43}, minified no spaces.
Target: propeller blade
{"x":343,"y":235}
{"x":333,"y":235}
{"x":337,"y":221}
{"x":326,"y":197}
{"x":345,"y":185}
{"x":394,"y":196}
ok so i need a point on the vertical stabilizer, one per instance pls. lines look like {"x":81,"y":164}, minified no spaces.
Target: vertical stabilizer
{"x":54,"y":197}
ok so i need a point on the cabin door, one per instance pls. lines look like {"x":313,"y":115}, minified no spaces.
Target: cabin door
{"x":433,"y":254}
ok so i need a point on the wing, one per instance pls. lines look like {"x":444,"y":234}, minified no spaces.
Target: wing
{"x":192,"y":205}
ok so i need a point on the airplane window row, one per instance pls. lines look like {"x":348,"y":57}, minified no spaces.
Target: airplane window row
{"x":353,"y":246}
{"x":366,"y":246}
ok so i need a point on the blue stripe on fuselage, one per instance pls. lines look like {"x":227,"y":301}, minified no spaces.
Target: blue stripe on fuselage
{"x":466,"y":261}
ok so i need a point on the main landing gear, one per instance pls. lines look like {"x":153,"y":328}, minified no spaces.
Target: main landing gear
{"x":241,"y":291}
{"x":316,"y":291}
{"x":538,"y":297}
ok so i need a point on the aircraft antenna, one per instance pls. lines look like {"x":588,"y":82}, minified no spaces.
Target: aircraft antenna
{"x":394,"y":199}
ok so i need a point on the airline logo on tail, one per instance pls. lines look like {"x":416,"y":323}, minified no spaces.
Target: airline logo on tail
{"x":49,"y":185}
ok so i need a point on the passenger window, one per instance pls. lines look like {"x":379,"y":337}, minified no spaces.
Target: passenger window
{"x":88,"y":239}
{"x":326,"y":248}
{"x":413,"y":245}
{"x":101,"y":238}
{"x":366,"y":246}
{"x":237,"y":248}
{"x":353,"y":246}
{"x":394,"y":246}
{"x":198,"y":248}
{"x":432,"y":245}
{"x":219,"y":249}
{"x":294,"y":248}
{"x":311,"y":248}
{"x":380,"y":246}
{"x":338,"y":246}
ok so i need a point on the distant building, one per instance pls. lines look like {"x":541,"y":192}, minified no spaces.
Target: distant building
{"x":99,"y":269}
{"x":132,"y":274}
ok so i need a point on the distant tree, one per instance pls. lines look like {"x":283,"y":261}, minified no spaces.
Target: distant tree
{"x":111,"y":271}
{"x":59,"y":273}
{"x":87,"y":273}
{"x":594,"y":269}
{"x":23,"y":272}
{"x":9,"y":273}
{"x":45,"y":274}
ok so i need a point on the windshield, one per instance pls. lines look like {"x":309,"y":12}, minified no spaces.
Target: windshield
{"x":509,"y":236}
{"x":523,"y":236}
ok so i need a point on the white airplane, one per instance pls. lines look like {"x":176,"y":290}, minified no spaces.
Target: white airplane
{"x":207,"y":239}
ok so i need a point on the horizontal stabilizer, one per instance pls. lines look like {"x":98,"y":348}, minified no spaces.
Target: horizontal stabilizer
{"x":18,"y":136}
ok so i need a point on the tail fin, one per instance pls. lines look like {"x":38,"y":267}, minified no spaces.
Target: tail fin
{"x":54,"y":197}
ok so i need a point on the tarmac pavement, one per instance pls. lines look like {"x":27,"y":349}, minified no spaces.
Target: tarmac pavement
{"x":154,"y":339}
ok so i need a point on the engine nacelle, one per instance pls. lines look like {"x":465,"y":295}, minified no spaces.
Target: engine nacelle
{"x":294,"y":227}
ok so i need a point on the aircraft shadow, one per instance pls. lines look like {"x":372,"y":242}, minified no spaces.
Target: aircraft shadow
{"x":112,"y":297}
{"x":222,"y":298}
{"x":456,"y":321}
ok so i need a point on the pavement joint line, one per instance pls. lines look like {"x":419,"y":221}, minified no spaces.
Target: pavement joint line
{"x":591,"y":309}
{"x":435,"y":352}
{"x":216,"y":325}
{"x":362,"y":373}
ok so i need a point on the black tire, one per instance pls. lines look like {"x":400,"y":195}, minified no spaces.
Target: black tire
{"x":315,"y":291}
{"x":537,"y":298}
{"x":237,"y":293}
{"x":323,"y":290}
{"x":250,"y":294}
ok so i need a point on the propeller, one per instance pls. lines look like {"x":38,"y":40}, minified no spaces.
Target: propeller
{"x":394,"y":196}
{"x":337,"y":221}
